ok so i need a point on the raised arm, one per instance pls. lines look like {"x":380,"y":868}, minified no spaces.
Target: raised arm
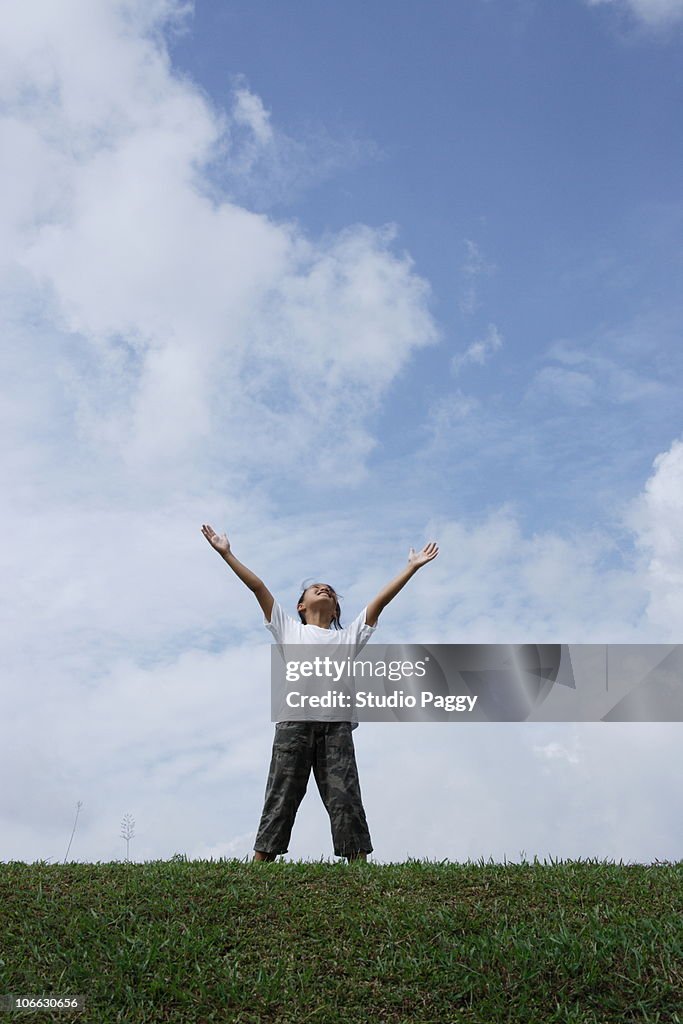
{"x":256,"y":585}
{"x":415,"y":561}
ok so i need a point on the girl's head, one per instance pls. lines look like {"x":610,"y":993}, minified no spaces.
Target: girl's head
{"x":323,"y":598}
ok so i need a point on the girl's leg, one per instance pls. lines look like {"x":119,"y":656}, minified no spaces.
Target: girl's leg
{"x":336,"y":775}
{"x":290,"y":767}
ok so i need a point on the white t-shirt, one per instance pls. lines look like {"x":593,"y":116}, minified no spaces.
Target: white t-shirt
{"x":348,"y":641}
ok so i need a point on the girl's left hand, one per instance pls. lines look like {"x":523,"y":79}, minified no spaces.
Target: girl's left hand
{"x":418,"y":558}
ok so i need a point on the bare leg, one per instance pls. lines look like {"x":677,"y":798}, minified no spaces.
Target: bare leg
{"x":258,"y":855}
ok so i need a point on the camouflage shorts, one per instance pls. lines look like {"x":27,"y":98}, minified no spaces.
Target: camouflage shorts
{"x":327,"y":748}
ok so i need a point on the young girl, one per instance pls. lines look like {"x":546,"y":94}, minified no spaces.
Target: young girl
{"x":326,"y":747}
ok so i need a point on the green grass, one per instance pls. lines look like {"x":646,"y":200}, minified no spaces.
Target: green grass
{"x":323,"y":943}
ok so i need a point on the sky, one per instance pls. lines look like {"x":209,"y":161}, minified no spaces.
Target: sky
{"x":338,"y":280}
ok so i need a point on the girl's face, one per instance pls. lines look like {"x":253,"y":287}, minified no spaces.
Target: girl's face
{"x":320,"y":596}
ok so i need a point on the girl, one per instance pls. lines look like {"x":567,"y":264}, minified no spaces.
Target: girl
{"x":326,"y":747}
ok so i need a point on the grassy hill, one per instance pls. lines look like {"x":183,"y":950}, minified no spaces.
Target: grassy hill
{"x":322,"y":943}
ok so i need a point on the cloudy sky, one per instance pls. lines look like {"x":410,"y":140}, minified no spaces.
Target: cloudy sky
{"x":338,"y":280}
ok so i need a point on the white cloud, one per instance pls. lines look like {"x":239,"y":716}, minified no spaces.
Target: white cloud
{"x":653,"y":13}
{"x":248,"y":110}
{"x":585,"y":376}
{"x":479,"y":351}
{"x":258,"y":164}
{"x":447,"y":417}
{"x":555,"y":751}
{"x":474,"y":267}
{"x":656,"y":516}
{"x":570,"y":386}
{"x":183,"y":322}
{"x":500,"y":585}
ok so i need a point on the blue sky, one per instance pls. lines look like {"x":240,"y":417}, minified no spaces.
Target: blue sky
{"x":530,"y":157}
{"x":337,"y":279}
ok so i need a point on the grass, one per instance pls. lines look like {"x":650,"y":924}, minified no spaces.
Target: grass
{"x":574,"y":942}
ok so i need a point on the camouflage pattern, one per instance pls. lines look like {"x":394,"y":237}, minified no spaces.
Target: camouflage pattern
{"x":328,"y":748}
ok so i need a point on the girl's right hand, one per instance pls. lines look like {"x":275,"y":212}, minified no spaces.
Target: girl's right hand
{"x":220,"y":543}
